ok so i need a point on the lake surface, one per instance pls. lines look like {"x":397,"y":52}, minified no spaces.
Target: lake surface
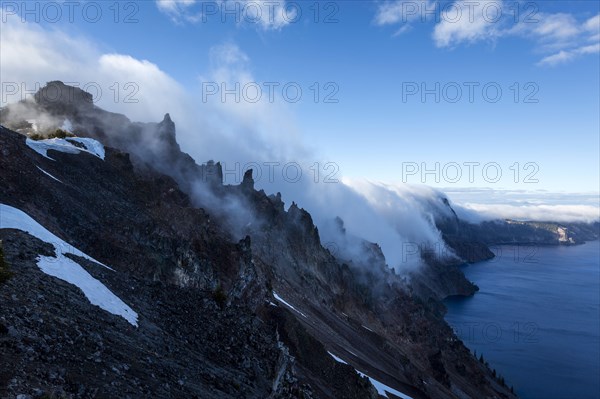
{"x":536,"y":319}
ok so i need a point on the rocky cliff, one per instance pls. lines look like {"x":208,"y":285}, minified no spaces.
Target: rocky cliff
{"x":271,"y":315}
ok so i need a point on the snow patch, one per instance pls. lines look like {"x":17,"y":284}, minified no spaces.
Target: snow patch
{"x":65,"y":268}
{"x":97,"y":293}
{"x":48,"y":174}
{"x":280,"y":299}
{"x":13,"y":218}
{"x":367,"y":328}
{"x":337,"y":359}
{"x":90,"y":146}
{"x":381,"y":388}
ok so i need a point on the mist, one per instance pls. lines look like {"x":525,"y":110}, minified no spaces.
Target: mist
{"x":240,"y":135}
{"x":38,"y":121}
{"x":484,"y":204}
{"x":476,"y":213}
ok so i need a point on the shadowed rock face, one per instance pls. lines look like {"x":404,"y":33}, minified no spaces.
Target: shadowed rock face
{"x":210,"y":325}
{"x":56,"y":97}
{"x":170,"y":259}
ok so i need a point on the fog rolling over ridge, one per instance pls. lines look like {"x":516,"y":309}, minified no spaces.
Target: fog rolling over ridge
{"x":393,"y":216}
{"x":237,"y":134}
{"x":389,"y":216}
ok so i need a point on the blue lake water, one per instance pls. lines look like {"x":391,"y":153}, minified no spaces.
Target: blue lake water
{"x":536,"y":319}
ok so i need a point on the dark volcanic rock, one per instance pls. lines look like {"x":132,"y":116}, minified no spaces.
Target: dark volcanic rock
{"x":185,"y":346}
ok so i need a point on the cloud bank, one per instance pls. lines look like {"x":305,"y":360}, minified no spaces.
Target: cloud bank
{"x":481,"y":204}
{"x":235,"y":133}
{"x":475,"y":212}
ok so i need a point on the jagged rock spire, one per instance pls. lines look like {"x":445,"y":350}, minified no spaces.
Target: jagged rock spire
{"x":248,"y":181}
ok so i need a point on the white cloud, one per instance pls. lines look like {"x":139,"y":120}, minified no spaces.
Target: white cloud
{"x":273,"y":15}
{"x":466,"y":22}
{"x":569,"y":38}
{"x":175,"y":9}
{"x":559,"y":37}
{"x":401,"y":11}
{"x":228,"y":54}
{"x":553,"y":213}
{"x":403,"y":29}
{"x":593,"y":24}
{"x":264,"y":14}
{"x":565,"y":56}
{"x":390,"y":13}
{"x":556,"y":28}
{"x":174,"y":6}
{"x":409,"y":209}
{"x":32,"y":56}
{"x":573,"y":39}
{"x":251,"y":127}
{"x":477,"y":204}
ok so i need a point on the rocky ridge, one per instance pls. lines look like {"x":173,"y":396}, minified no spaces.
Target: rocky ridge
{"x":219,"y":316}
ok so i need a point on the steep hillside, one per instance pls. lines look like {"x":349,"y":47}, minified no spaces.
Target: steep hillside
{"x":216,"y":316}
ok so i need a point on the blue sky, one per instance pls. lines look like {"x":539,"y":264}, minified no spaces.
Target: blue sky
{"x":371,"y":54}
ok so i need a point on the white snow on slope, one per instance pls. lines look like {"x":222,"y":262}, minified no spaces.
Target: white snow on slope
{"x":13,"y":218}
{"x":382,"y":389}
{"x":337,"y":359}
{"x":65,"y":145}
{"x":280,"y":299}
{"x":96,"y":292}
{"x":63,"y":267}
{"x":47,"y":174}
